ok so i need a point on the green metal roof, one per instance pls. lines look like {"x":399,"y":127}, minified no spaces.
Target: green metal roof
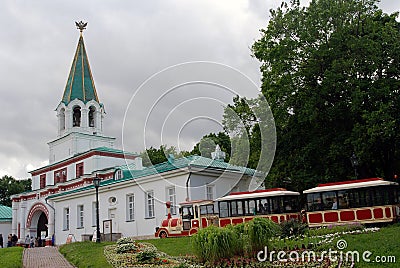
{"x":5,"y":213}
{"x":80,"y":83}
{"x":193,"y":161}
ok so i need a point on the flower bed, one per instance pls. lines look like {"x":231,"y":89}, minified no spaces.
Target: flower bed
{"x":128,"y":253}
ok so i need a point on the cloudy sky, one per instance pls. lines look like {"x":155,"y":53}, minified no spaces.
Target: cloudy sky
{"x":131,"y":47}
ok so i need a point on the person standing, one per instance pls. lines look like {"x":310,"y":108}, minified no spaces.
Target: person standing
{"x":32,"y":244}
{"x":14,"y":240}
{"x":1,"y":241}
{"x":9,"y":242}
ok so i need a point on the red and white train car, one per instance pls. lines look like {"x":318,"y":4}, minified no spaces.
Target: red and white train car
{"x":364,"y":201}
{"x":277,"y":204}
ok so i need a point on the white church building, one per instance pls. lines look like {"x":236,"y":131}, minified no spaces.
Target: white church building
{"x":61,"y":205}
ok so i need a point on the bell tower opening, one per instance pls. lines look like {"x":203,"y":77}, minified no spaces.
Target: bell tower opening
{"x":76,"y":117}
{"x":62,"y":119}
{"x":92,"y":120}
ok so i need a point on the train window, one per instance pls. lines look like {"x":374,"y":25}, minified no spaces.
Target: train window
{"x":252,"y":207}
{"x":343,"y":199}
{"x":386,"y":197}
{"x":314,"y":202}
{"x":276,"y":205}
{"x":290,"y":203}
{"x":187,"y":212}
{"x":377,"y":196}
{"x":234,"y":208}
{"x":329,"y":200}
{"x":206,"y":209}
{"x":263,"y":206}
{"x":237,"y":208}
{"x":223,"y":209}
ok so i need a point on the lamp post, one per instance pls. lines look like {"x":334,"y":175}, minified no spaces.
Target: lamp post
{"x":96,"y":183}
{"x":354,"y":163}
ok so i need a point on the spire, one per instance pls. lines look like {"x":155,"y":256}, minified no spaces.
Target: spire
{"x":80,"y":83}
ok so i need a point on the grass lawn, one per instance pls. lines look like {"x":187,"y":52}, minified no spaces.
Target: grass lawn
{"x":88,"y":254}
{"x":177,"y":246}
{"x":85,"y":254}
{"x":385,"y":243}
{"x":11,"y":257}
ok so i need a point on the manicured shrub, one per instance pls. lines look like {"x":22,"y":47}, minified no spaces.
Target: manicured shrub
{"x":260,"y":231}
{"x":146,"y":256}
{"x":214,"y":243}
{"x":126,"y":244}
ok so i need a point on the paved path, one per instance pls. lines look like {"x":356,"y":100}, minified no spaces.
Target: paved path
{"x":47,"y":257}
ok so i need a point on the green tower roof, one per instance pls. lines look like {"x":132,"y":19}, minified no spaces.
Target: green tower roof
{"x":80,"y":84}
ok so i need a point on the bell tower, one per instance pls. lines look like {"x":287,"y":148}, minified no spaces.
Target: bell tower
{"x":80,"y":113}
{"x":80,"y":109}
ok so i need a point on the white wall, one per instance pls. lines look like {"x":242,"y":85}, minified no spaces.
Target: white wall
{"x":5,"y":230}
{"x":140,"y":226}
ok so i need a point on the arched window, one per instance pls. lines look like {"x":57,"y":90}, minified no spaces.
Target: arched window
{"x":76,"y":117}
{"x":62,"y":119}
{"x":92,"y":111}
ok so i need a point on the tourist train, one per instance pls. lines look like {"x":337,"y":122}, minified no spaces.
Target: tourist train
{"x":364,"y":201}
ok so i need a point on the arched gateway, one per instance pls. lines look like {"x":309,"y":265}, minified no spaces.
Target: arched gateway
{"x":36,"y":223}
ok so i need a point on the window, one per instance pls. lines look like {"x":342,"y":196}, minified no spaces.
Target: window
{"x":80,"y":217}
{"x":56,"y":177}
{"x":237,"y":208}
{"x":171,"y":197}
{"x":66,"y":219}
{"x":79,"y":169}
{"x":343,"y":199}
{"x":207,"y":209}
{"x":210,"y":192}
{"x":130,"y":207}
{"x":118,"y":175}
{"x":60,"y":175}
{"x":223,"y":209}
{"x":42,"y":181}
{"x":291,"y":203}
{"x":314,"y":202}
{"x":329,"y":200}
{"x":150,"y":204}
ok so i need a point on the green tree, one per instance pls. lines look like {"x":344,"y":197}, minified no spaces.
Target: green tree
{"x":153,"y":156}
{"x":251,"y":125}
{"x":331,"y":73}
{"x":208,"y":143}
{"x":10,"y":186}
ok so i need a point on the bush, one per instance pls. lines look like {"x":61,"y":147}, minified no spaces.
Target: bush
{"x":146,"y":256}
{"x":260,"y":231}
{"x":126,"y":244}
{"x":214,"y":243}
{"x":293,"y":227}
{"x":125,"y":240}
